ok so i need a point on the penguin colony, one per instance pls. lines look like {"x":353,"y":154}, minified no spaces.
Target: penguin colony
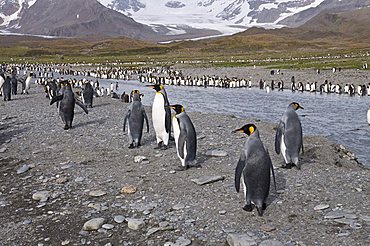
{"x":254,"y":168}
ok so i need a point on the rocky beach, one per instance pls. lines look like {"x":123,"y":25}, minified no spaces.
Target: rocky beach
{"x":84,"y":186}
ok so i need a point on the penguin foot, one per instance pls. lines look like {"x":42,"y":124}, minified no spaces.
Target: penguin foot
{"x":66,"y":127}
{"x":248,"y":207}
{"x":159,"y":146}
{"x":131,"y":146}
{"x":264,"y":206}
{"x":164,"y":147}
{"x":287,"y":166}
{"x":181,"y":168}
{"x":260,"y":211}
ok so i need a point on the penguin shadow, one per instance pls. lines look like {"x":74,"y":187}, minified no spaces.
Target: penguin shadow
{"x":91,"y":122}
{"x":275,"y":194}
{"x":99,"y":105}
{"x":7,"y":135}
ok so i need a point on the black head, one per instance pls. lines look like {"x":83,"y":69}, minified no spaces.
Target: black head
{"x":248,"y":129}
{"x":296,"y":106}
{"x":135,"y":92}
{"x":178,"y":108}
{"x":156,"y":87}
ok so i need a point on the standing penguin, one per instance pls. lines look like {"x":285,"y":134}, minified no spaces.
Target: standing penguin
{"x":254,"y":168}
{"x":185,"y":137}
{"x":288,"y":138}
{"x":27,"y":83}
{"x":2,"y":80}
{"x":161,"y":116}
{"x":135,"y":117}
{"x":67,"y":105}
{"x":7,"y":89}
{"x":87,"y":94}
{"x":14,"y":83}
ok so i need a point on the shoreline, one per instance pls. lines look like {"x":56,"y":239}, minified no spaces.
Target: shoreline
{"x":94,"y":156}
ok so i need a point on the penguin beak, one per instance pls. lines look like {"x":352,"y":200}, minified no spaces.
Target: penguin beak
{"x":301,"y":107}
{"x":172,"y":107}
{"x":150,"y":86}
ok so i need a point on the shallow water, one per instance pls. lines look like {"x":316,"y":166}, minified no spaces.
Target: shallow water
{"x":339,"y":117}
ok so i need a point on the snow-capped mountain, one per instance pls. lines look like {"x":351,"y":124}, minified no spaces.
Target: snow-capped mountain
{"x":227,"y":16}
{"x":168,"y":19}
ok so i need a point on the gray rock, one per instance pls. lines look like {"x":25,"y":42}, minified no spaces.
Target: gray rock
{"x":139,"y":158}
{"x":178,"y":206}
{"x":321,"y":207}
{"x":41,"y":196}
{"x":119,"y":219}
{"x":23,"y":169}
{"x":151,"y":231}
{"x":207,"y":179}
{"x":27,"y":222}
{"x":2,"y":150}
{"x":93,"y":224}
{"x":216,"y":153}
{"x":97,"y":193}
{"x":108,"y":226}
{"x":271,"y":243}
{"x":79,"y":179}
{"x":65,"y":242}
{"x":336,"y":214}
{"x":355,"y":225}
{"x":135,"y":224}
{"x":181,"y":241}
{"x":343,"y":221}
{"x":222,"y":212}
{"x":240,"y":240}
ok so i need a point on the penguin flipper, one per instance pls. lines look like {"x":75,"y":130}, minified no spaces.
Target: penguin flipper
{"x":181,"y":143}
{"x":146,"y":120}
{"x":167,"y":122}
{"x":278,"y":135}
{"x":126,"y":119}
{"x":239,"y":171}
{"x":82,"y":106}
{"x":271,"y":167}
{"x":56,"y":99}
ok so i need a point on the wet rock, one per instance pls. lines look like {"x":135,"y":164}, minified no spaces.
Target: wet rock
{"x":119,"y":219}
{"x":23,"y":169}
{"x":41,"y":196}
{"x":93,"y":224}
{"x":135,"y":224}
{"x":240,"y":240}
{"x":97,"y":193}
{"x":207,"y":179}
{"x":216,"y":153}
{"x":271,"y":243}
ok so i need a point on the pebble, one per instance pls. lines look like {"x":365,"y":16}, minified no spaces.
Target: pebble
{"x":321,"y":207}
{"x":23,"y":169}
{"x":97,"y":193}
{"x":240,"y":240}
{"x":271,"y":243}
{"x":343,"y":221}
{"x":140,"y":158}
{"x":130,"y":189}
{"x":267,"y":228}
{"x":2,"y":150}
{"x":108,"y":226}
{"x":216,"y":153}
{"x":135,"y":224}
{"x":41,"y":196}
{"x":178,"y":206}
{"x":222,"y":212}
{"x":27,"y":222}
{"x":119,"y":219}
{"x":355,"y":225}
{"x":207,"y":179}
{"x":93,"y":224}
{"x":79,"y":179}
{"x":61,"y":180}
{"x":66,"y":242}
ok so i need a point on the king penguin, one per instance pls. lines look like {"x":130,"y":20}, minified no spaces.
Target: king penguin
{"x":67,"y":104}
{"x":7,"y":89}
{"x":185,"y":137}
{"x":288,"y":138}
{"x":2,"y":80}
{"x":135,"y":117}
{"x":368,"y":116}
{"x":161,"y":116}
{"x":254,"y":169}
{"x":28,"y":83}
{"x":87,"y":94}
